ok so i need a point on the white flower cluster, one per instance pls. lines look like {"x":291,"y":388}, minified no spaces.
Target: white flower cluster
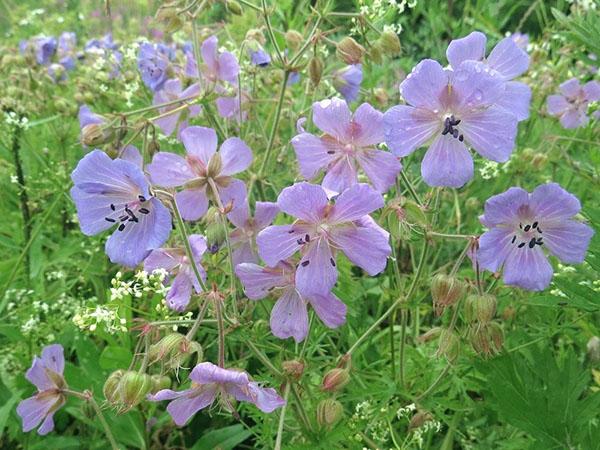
{"x":406,"y":411}
{"x":11,"y":118}
{"x":142,"y":283}
{"x":375,"y":10}
{"x":31,"y":17}
{"x":429,"y":425}
{"x":105,"y":316}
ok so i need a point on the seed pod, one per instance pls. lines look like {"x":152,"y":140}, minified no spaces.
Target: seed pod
{"x":167,"y":15}
{"x":486,"y":339}
{"x":315,"y":70}
{"x":233,"y":7}
{"x":430,"y":335}
{"x":390,"y":43}
{"x":111,"y":386}
{"x":329,"y":412}
{"x":449,"y":345}
{"x":96,"y":134}
{"x":159,"y":382}
{"x":480,"y":308}
{"x":293,"y":38}
{"x":133,"y":388}
{"x":293,"y":369}
{"x":446,"y":290}
{"x":166,"y":347}
{"x":350,"y":51}
{"x":335,"y":379}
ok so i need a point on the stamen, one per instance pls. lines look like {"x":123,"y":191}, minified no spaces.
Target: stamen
{"x":112,"y":207}
{"x":144,"y":210}
{"x":142,"y":198}
{"x":461,"y":138}
{"x":527,"y":227}
{"x":332,"y":262}
{"x":121,"y":227}
{"x":305,"y":263}
{"x":534,"y":226}
{"x":513,"y":239}
{"x":291,"y":231}
{"x":522,"y":244}
{"x":330,"y":152}
{"x":307,"y":238}
{"x":108,"y":219}
{"x":539,"y":241}
{"x":532,"y":243}
{"x":300,"y":241}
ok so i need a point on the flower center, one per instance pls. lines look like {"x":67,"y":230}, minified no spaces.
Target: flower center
{"x":127,"y":215}
{"x":529,"y":234}
{"x":450,"y":124}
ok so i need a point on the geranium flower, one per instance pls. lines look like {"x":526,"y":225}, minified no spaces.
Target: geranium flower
{"x":321,"y":230}
{"x":115,"y":193}
{"x":347,"y":81}
{"x":171,"y":91}
{"x":289,"y":316}
{"x":66,"y":51}
{"x":153,"y":63}
{"x":176,"y":262}
{"x":571,"y":106}
{"x":243,"y":238}
{"x":521,"y":225}
{"x":201,"y":166}
{"x":451,"y":108}
{"x":348,"y":143}
{"x":208,"y":381}
{"x":46,"y":373}
{"x":42,"y":48}
{"x":507,"y":58}
{"x":259,"y":57}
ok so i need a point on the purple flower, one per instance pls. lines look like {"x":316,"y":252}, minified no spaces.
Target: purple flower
{"x":289,"y":317}
{"x":46,"y":373}
{"x":522,"y":224}
{"x":115,"y":193}
{"x":87,"y":117}
{"x":321,"y":230}
{"x":347,"y":81}
{"x":244,"y":236}
{"x":451,"y":108}
{"x":259,"y":57}
{"x":218,"y":66}
{"x":293,"y":78}
{"x":201,"y":168}
{"x":176,"y":262}
{"x":348,"y":143}
{"x":229,"y":107}
{"x":521,"y":39}
{"x":571,"y":106}
{"x":171,"y":91}
{"x":42,"y":48}
{"x":153,"y":63}
{"x":106,"y":43}
{"x":66,"y":52}
{"x":209,"y":380}
{"x":507,"y":59}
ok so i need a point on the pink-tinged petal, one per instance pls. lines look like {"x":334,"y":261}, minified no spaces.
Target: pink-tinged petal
{"x":169,"y":170}
{"x":407,"y":128}
{"x":206,"y":373}
{"x":557,"y":105}
{"x":183,"y":408}
{"x":279,"y":242}
{"x":304,"y":201}
{"x":234,"y":196}
{"x":265,"y":399}
{"x":160,"y":259}
{"x":330,"y":309}
{"x":264,"y":214}
{"x":568,"y":240}
{"x":34,"y":409}
{"x":236,"y":156}
{"x":53,"y":358}
{"x":289,"y":317}
{"x":257,"y":280}
{"x":168,"y":124}
{"x":550,"y":202}
{"x":471,"y":47}
{"x":355,"y":202}
{"x":508,"y":59}
{"x":312,"y":154}
{"x":365,"y":247}
{"x":209,"y":53}
{"x":426,"y":85}
{"x":528,"y":268}
{"x":591,"y":91}
{"x":332,"y":116}
{"x":340,"y":175}
{"x":367,"y":126}
{"x":228,"y":68}
{"x":516,"y":99}
{"x":132,"y":154}
{"x":474,"y":86}
{"x":381,"y":167}
{"x":38,"y":376}
{"x":240,"y":215}
{"x":570,"y":88}
{"x":244,"y":253}
{"x":316,"y":272}
{"x":574,"y":118}
{"x":503,"y":208}
{"x":180,"y":293}
{"x":200,"y":142}
{"x":494,"y":247}
{"x":447,"y":163}
{"x":192,"y":203}
{"x":491,"y":132}
{"x":168,"y":394}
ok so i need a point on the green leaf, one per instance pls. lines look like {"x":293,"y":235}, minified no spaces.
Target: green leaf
{"x":114,"y":357}
{"x":6,"y":409}
{"x":224,"y":438}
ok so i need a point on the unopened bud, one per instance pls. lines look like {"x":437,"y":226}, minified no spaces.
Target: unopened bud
{"x":111,"y":386}
{"x":335,"y":379}
{"x":329,"y":412}
{"x":174,"y":350}
{"x":390,"y":43}
{"x":593,"y":349}
{"x":350,"y":51}
{"x":215,"y":236}
{"x":486,"y":339}
{"x":419,"y":419}
{"x":233,"y":7}
{"x":539,"y":160}
{"x":376,"y":54}
{"x":381,"y":96}
{"x":133,"y":388}
{"x":293,"y":38}
{"x":446,"y":290}
{"x":449,"y":345}
{"x":430,"y":335}
{"x":480,"y":308}
{"x":96,"y":134}
{"x":315,"y":70}
{"x":159,"y":382}
{"x":153,"y":148}
{"x":293,"y":369}
{"x":167,"y":15}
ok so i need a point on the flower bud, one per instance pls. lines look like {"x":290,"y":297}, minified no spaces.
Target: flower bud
{"x":419,"y":419}
{"x":449,"y":345}
{"x":174,"y":350}
{"x":381,"y":96}
{"x":350,"y":51}
{"x":111,"y":386}
{"x":329,"y":412}
{"x":167,"y":15}
{"x":96,"y":134}
{"x":315,"y":70}
{"x":446,"y":290}
{"x":133,"y":388}
{"x":153,"y":148}
{"x":390,"y":43}
{"x":486,"y":339}
{"x":430,"y":335}
{"x":335,"y":379}
{"x":375,"y":54}
{"x":480,"y":308}
{"x":233,"y":7}
{"x":293,"y":369}
{"x":215,"y":236}
{"x":593,"y":349}
{"x":159,"y":382}
{"x":293,"y":38}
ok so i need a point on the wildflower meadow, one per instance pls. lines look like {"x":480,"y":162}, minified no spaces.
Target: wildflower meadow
{"x":300,"y":224}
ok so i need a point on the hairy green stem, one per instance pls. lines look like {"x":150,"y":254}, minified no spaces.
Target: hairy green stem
{"x":286,"y":394}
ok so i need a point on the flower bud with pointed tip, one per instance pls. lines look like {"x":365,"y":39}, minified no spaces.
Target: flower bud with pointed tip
{"x":389,"y":42}
{"x":329,"y":412}
{"x":335,"y":379}
{"x":486,"y":339}
{"x":350,"y":51}
{"x":480,"y":308}
{"x":293,"y":369}
{"x":111,"y":386}
{"x":446,"y":290}
{"x":215,"y":236}
{"x":449,"y":345}
{"x":430,"y":335}
{"x":315,"y":70}
{"x":133,"y":388}
{"x":234,"y":7}
{"x":96,"y":134}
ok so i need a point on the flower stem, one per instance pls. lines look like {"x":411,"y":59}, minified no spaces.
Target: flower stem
{"x":160,"y":105}
{"x":448,"y":236}
{"x":300,"y":408}
{"x":192,"y":332}
{"x":435,"y":383}
{"x":260,"y":355}
{"x":221,"y":332}
{"x":410,"y":188}
{"x":89,"y":397}
{"x":282,"y":418}
{"x":270,"y":32}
